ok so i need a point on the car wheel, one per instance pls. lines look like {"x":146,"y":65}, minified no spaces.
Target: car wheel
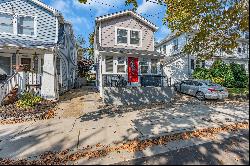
{"x":200,"y":96}
{"x":175,"y":88}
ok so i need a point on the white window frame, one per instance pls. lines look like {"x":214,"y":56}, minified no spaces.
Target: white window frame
{"x":125,"y":64}
{"x":104,"y":69}
{"x":128,"y":37}
{"x":14,"y":23}
{"x":175,"y":45}
{"x":15,"y":26}
{"x":35,"y":25}
{"x":148,"y":64}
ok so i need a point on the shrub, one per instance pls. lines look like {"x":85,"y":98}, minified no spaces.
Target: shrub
{"x":28,"y":100}
{"x":228,"y":75}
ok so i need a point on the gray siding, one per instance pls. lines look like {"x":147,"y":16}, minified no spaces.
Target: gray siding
{"x":46,"y":21}
{"x":108,"y":32}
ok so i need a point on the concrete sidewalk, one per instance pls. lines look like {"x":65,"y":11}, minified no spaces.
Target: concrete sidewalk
{"x":107,"y":127}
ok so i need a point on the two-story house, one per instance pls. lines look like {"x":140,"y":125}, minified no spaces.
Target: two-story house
{"x":179,"y":66}
{"x":37,"y":49}
{"x":125,"y":58}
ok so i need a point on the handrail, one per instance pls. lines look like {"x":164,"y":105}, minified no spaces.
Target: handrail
{"x":5,"y":82}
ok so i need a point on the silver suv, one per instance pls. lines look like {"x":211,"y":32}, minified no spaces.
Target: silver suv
{"x":202,"y":89}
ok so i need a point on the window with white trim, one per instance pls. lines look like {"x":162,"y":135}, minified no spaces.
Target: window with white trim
{"x":154,"y":66}
{"x":135,"y":37}
{"x":144,"y":66}
{"x":122,"y":36}
{"x":6,"y":23}
{"x":109,"y":64}
{"x":121,"y":63}
{"x":25,"y":25}
{"x":175,"y":45}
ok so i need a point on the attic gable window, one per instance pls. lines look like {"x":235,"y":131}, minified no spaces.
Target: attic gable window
{"x":122,"y":36}
{"x":6,"y":23}
{"x":25,"y":25}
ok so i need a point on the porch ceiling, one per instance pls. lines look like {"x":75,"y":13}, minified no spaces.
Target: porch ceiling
{"x":133,"y":52}
{"x":16,"y":43}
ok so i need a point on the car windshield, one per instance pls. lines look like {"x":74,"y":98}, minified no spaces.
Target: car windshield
{"x":208,"y":83}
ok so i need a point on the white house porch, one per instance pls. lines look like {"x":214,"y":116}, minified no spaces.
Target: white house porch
{"x":28,"y":69}
{"x":123,"y":69}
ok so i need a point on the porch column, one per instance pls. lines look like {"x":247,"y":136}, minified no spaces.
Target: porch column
{"x":48,"y":87}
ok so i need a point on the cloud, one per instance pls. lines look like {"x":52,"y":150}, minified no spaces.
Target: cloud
{"x":61,"y":5}
{"x":149,"y":7}
{"x":162,"y":33}
{"x":100,"y":7}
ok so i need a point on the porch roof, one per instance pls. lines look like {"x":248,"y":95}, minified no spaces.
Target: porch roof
{"x":25,"y":43}
{"x":131,"y":51}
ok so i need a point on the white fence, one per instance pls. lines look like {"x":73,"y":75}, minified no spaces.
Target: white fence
{"x":24,"y":81}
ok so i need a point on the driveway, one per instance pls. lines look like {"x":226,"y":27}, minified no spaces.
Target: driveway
{"x":105,"y":126}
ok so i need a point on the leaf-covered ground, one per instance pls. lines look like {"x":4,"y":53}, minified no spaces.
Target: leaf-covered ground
{"x":67,"y":156}
{"x":11,"y":114}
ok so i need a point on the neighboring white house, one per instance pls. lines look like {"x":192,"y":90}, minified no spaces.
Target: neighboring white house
{"x":180,"y":67}
{"x":125,"y":58}
{"x":37,"y":49}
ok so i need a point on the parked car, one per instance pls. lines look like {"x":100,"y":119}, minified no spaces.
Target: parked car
{"x":202,"y":89}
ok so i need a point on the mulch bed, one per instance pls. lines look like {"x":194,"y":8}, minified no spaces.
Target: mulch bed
{"x":66,"y":156}
{"x":11,"y":114}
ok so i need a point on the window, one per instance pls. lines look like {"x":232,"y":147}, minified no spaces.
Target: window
{"x":164,"y":49}
{"x":203,"y":64}
{"x":121,"y":65}
{"x":175,"y":45}
{"x":122,"y":36}
{"x":239,"y":50}
{"x":243,"y":48}
{"x":154,"y":66}
{"x":144,"y":66}
{"x":247,"y":35}
{"x":135,"y":37}
{"x":5,"y":65}
{"x":242,"y":66}
{"x":109,"y":64}
{"x":192,"y":64}
{"x":25,"y":25}
{"x":6,"y":23}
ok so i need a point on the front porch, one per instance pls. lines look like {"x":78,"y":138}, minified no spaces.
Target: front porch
{"x":28,"y":69}
{"x":132,"y":78}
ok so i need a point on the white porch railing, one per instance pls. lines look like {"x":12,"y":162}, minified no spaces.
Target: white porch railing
{"x":24,"y":81}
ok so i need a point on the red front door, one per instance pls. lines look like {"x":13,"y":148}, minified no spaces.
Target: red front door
{"x":132,"y":69}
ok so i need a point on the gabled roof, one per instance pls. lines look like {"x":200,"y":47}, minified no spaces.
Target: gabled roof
{"x":127,"y":12}
{"x":39,"y":3}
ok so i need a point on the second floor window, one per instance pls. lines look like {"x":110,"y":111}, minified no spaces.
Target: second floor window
{"x":239,"y":50}
{"x":6,"y":23}
{"x":25,"y":25}
{"x":122,"y":36}
{"x":175,"y":45}
{"x":164,"y":49}
{"x":135,"y":37}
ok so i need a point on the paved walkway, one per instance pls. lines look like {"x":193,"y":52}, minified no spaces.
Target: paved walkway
{"x":109,"y":126}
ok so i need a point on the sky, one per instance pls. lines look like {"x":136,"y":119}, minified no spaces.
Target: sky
{"x":82,"y":16}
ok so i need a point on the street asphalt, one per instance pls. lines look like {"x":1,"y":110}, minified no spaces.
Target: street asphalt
{"x":230,"y":151}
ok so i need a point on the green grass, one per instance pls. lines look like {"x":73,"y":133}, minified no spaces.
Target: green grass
{"x":238,"y":91}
